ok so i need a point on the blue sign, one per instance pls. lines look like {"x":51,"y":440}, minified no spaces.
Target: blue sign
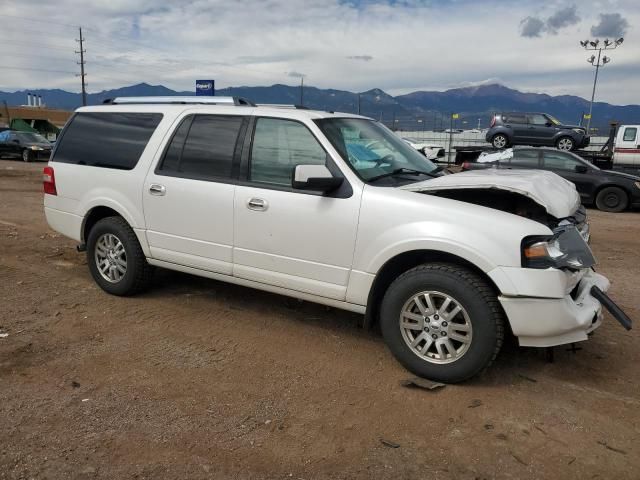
{"x":205,"y":87}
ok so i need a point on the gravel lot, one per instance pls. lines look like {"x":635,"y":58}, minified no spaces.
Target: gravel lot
{"x":200,"y":379}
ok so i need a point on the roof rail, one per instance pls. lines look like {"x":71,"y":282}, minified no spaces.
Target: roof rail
{"x":282,"y":105}
{"x":182,"y":100}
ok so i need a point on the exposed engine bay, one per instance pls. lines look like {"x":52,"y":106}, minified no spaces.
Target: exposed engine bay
{"x":517,"y":204}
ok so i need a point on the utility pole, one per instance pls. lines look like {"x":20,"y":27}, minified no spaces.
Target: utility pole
{"x":595,"y":61}
{"x":81,"y":63}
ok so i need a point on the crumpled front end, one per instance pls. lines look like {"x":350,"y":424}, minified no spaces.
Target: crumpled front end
{"x":546,"y":322}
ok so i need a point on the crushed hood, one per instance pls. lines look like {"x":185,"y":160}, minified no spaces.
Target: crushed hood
{"x":555,"y":194}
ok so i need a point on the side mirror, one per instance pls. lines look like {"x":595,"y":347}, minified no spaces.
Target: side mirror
{"x":581,"y":169}
{"x":548,"y":124}
{"x":317,"y":178}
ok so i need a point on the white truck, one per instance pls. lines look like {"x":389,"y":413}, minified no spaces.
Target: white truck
{"x":293,"y":201}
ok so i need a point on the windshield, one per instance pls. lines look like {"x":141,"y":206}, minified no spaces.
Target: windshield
{"x":371,"y":149}
{"x":554,"y":120}
{"x":31,"y":137}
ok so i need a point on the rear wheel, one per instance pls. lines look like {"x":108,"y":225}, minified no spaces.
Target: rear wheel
{"x":442,"y":322}
{"x":612,"y":199}
{"x":499,"y":141}
{"x":565,"y":143}
{"x":26,"y":155}
{"x":116,"y":260}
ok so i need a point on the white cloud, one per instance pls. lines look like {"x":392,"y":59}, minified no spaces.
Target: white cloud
{"x":413,"y":45}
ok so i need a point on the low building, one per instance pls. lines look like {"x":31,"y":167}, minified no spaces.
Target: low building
{"x":46,"y":121}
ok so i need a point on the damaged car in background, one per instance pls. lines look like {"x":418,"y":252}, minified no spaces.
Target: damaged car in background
{"x":432,"y":151}
{"x":332,"y":208}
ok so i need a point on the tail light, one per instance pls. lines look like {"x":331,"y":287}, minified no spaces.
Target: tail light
{"x":49,"y":181}
{"x":493,"y":121}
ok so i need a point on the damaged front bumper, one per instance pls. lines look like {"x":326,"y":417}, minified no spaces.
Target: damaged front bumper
{"x":546,"y":322}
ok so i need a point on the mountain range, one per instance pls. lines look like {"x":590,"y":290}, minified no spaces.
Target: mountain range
{"x":413,"y":111}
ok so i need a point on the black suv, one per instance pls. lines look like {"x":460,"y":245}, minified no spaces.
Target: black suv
{"x":534,"y":129}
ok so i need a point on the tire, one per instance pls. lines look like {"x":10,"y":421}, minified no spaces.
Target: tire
{"x":481,"y":315}
{"x":612,"y":199}
{"x":114,"y":237}
{"x":500,"y":141}
{"x":26,"y":155}
{"x":566,"y":144}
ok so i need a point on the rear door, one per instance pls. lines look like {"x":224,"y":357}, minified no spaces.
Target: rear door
{"x":518,"y":123}
{"x":627,"y":149}
{"x":188,"y":197}
{"x":295,"y":239}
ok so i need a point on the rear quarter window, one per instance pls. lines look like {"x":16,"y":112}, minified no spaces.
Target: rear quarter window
{"x":105,"y":139}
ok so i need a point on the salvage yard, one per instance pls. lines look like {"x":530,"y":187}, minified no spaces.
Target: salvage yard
{"x":201,"y":379}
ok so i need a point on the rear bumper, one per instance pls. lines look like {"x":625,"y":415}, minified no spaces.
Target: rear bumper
{"x":546,"y":322}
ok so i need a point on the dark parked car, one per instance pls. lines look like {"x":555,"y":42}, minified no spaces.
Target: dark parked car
{"x":609,"y":191}
{"x":536,"y":129}
{"x":25,"y":145}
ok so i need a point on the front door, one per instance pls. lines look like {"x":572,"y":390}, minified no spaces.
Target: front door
{"x":627,"y":150}
{"x":188,"y":198}
{"x":564,"y":164}
{"x":540,"y":132}
{"x":290,"y":238}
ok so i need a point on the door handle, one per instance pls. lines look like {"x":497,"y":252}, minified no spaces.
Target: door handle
{"x":156,"y":189}
{"x":257,"y":204}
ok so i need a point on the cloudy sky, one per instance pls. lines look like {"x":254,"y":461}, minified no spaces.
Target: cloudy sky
{"x":397,"y":45}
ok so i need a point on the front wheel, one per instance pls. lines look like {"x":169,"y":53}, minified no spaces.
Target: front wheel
{"x":116,"y":260}
{"x":612,"y":199}
{"x":442,"y":322}
{"x":26,"y":155}
{"x":565,"y":143}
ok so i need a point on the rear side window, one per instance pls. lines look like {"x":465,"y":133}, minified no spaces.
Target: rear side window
{"x":110,"y":140}
{"x":528,"y":158}
{"x":629,"y":134}
{"x":203,"y":146}
{"x":515,"y":118}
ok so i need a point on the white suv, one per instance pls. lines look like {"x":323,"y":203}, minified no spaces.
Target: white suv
{"x":332,"y":208}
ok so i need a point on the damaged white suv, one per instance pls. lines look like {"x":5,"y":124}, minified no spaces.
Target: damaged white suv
{"x":300,"y":203}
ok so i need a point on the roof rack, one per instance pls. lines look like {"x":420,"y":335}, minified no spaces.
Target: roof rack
{"x":182,"y":100}
{"x":282,"y":105}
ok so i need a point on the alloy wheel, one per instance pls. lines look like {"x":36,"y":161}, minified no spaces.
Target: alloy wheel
{"x":110,"y":257}
{"x":436,"y":327}
{"x":565,"y":144}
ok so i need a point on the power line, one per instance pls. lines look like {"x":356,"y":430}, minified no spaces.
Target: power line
{"x":13,"y":67}
{"x":39,"y":46}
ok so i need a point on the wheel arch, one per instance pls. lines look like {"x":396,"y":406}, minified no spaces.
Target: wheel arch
{"x":404,"y":261}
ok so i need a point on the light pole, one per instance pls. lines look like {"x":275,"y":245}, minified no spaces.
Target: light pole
{"x":597,"y":62}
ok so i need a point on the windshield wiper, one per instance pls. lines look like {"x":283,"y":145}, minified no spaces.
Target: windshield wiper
{"x":401,"y":170}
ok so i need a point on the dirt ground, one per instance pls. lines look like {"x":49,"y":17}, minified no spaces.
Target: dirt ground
{"x":200,"y":379}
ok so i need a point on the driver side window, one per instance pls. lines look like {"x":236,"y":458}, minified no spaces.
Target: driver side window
{"x":559,"y":161}
{"x":278,"y":146}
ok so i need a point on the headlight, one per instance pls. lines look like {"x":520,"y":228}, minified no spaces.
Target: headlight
{"x":35,"y":147}
{"x":565,"y":249}
{"x":579,"y":130}
{"x":637,"y":184}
